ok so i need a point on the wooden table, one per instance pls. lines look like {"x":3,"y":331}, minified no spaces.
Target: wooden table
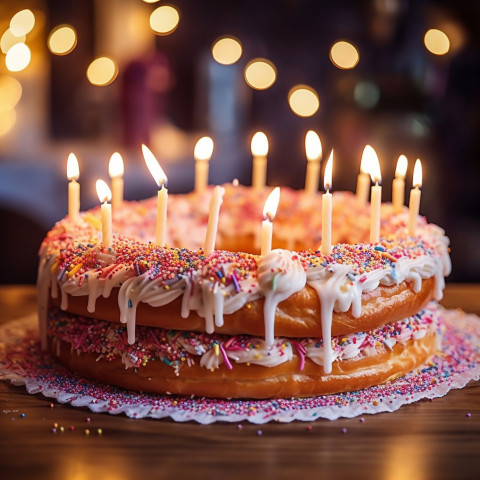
{"x":425,"y":440}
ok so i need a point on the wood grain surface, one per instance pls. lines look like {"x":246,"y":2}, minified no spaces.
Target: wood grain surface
{"x":426,"y":440}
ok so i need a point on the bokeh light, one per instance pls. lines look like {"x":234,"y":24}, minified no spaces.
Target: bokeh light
{"x":8,"y":40}
{"x":22,"y":22}
{"x":227,"y":50}
{"x":18,"y":57}
{"x":437,"y":42}
{"x":62,"y":40}
{"x":10,"y":93}
{"x":303,"y":100}
{"x":102,"y":71}
{"x":366,"y":94}
{"x":164,"y":20}
{"x":344,"y":55}
{"x":260,"y":73}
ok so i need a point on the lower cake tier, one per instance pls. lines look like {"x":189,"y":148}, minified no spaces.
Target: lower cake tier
{"x":240,"y":366}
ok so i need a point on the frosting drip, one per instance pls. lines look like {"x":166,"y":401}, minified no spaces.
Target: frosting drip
{"x":280,"y":275}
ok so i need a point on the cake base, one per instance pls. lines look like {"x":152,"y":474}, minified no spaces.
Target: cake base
{"x":23,"y":363}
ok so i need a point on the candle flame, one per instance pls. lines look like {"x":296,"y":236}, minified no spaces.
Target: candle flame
{"x":372,"y":165}
{"x":259,"y":145}
{"x":271,"y":204}
{"x":115,"y":166}
{"x":327,"y":178}
{"x":313,"y":146}
{"x":364,"y":162}
{"x":417,"y":174}
{"x":73,"y":171}
{"x":402,"y":164}
{"x":103,"y":191}
{"x":154,"y":167}
{"x":203,"y":149}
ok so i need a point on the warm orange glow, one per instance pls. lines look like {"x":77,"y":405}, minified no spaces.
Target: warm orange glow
{"x":260,"y":73}
{"x":303,"y":100}
{"x":103,"y":191}
{"x":313,"y":146}
{"x":102,"y":71}
{"x":372,"y":165}
{"x":344,"y":55}
{"x":151,"y":1}
{"x":402,"y":164}
{"x":437,"y":42}
{"x":271,"y":204}
{"x":227,"y":50}
{"x":62,"y":40}
{"x":259,"y":145}
{"x":327,"y":178}
{"x":18,"y":57}
{"x":73,"y":171}
{"x":7,"y":121}
{"x":115,"y":166}
{"x":8,"y":40}
{"x":22,"y":22}
{"x":203,"y":149}
{"x":10,"y":93}
{"x":154,"y":167}
{"x":417,"y":174}
{"x":164,"y":20}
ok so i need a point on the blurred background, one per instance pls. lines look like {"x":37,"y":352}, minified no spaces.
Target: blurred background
{"x":98,"y":76}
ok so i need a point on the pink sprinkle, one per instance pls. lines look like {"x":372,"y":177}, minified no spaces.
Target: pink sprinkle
{"x":87,"y":419}
{"x":309,"y":428}
{"x":225,"y":358}
{"x":362,"y":279}
{"x":344,"y":430}
{"x":259,"y":433}
{"x":239,"y":426}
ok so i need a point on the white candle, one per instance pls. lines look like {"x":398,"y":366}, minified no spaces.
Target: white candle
{"x":269,"y":211}
{"x":373,"y":165}
{"x":162,"y":198}
{"x":363,"y":179}
{"x":73,"y":172}
{"x":313,"y":151}
{"x":259,"y":148}
{"x":105,"y":195}
{"x":415,"y":194}
{"x":212,"y":227}
{"x":326,"y":247}
{"x":398,"y":184}
{"x":116,"y":170}
{"x":202,"y":154}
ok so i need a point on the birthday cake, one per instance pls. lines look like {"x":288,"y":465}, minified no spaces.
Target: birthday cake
{"x":234,"y":324}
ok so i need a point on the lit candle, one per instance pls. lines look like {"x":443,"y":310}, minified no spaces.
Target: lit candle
{"x":398,"y":185}
{"x":105,"y":195}
{"x":73,"y":172}
{"x":259,"y":148}
{"x":212,"y":227}
{"x":415,"y":193}
{"x":269,"y":211}
{"x":363,"y":179}
{"x":116,"y":170}
{"x":373,"y":166}
{"x":162,"y":199}
{"x":313,"y":151}
{"x":202,"y":154}
{"x":326,"y":247}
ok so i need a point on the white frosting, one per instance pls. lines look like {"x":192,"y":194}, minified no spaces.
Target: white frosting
{"x":280,"y":275}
